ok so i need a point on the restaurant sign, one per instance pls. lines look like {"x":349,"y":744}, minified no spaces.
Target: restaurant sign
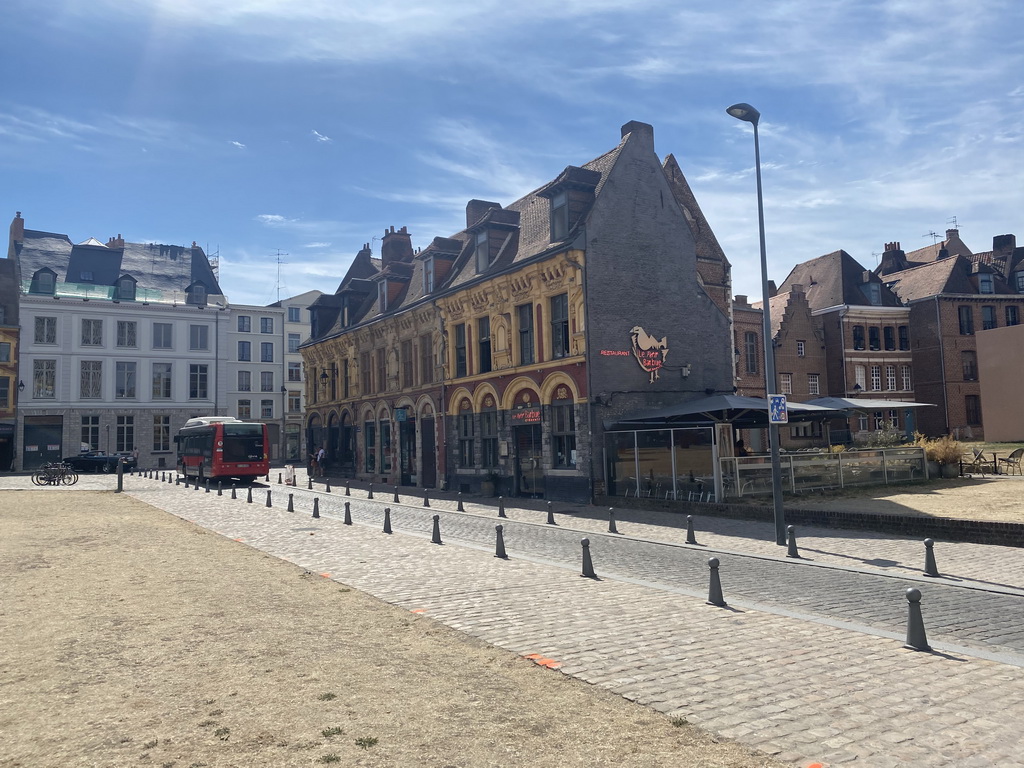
{"x":649,"y":352}
{"x":526,"y":416}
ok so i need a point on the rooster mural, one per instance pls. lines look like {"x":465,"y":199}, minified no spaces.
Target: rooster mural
{"x":649,"y":351}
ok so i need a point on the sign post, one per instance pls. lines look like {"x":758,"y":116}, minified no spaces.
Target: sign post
{"x":777,"y":411}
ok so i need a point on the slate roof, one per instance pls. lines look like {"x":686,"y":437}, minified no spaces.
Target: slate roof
{"x":162,"y":272}
{"x":950,"y":276}
{"x":833,"y":279}
{"x":526,"y":239}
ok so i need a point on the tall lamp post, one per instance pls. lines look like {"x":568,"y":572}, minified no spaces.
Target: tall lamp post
{"x":750,"y":115}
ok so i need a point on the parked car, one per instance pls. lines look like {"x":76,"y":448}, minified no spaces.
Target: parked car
{"x":98,"y":461}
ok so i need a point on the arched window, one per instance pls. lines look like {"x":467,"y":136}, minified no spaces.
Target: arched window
{"x":126,"y":288}
{"x":44,"y":281}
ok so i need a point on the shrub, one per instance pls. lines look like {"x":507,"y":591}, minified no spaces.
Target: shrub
{"x":944,"y":450}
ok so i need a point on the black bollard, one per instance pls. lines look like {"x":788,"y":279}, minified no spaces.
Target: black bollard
{"x":196,"y":486}
{"x":435,"y":536}
{"x":309,"y":484}
{"x":248,"y":496}
{"x":611,"y":521}
{"x":120,"y":477}
{"x":233,"y":495}
{"x":316,"y":507}
{"x":291,"y":502}
{"x":930,"y":569}
{"x":551,"y":515}
{"x":395,"y":500}
{"x":588,"y":564}
{"x":327,"y":486}
{"x":279,"y":479}
{"x":177,"y":480}
{"x":207,"y":485}
{"x":269,"y":504}
{"x":348,"y":514}
{"x":220,"y":488}
{"x":268,"y":476}
{"x":792,"y":551}
{"x":348,"y":487}
{"x":715,"y":585}
{"x":916,"y":638}
{"x":501,"y":507}
{"x":460,"y":508}
{"x":387,"y":519}
{"x":369,"y":492}
{"x":499,"y":544}
{"x":690,"y":538}
{"x":426,"y":498}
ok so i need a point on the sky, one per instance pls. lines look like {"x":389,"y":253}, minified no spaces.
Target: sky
{"x":281,"y":136}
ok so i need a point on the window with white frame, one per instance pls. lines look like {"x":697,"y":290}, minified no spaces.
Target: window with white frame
{"x":876,"y":377}
{"x":266,"y":409}
{"x":162,"y":338}
{"x":801,"y":348}
{"x":266,"y":325}
{"x":294,"y":340}
{"x":244,"y":381}
{"x":199,"y":337}
{"x":127,"y":335}
{"x":161,"y":434}
{"x":786,"y":383}
{"x":860,"y":376}
{"x":91,"y":379}
{"x":245,"y":323}
{"x":245,"y":409}
{"x":44,"y":379}
{"x":813,"y":385}
{"x":124,"y":379}
{"x":890,"y":377}
{"x":198,"y":381}
{"x":907,"y":383}
{"x":125,"y":433}
{"x":245,"y":351}
{"x":266,"y":352}
{"x":294,"y":371}
{"x":92,"y":332}
{"x":162,"y":381}
{"x":294,"y":314}
{"x":266,"y":381}
{"x":91,"y":432}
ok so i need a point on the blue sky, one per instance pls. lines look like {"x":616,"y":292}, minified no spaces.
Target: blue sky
{"x":263,"y":126}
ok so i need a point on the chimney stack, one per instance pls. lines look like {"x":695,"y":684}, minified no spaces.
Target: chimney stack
{"x":396,"y":246}
{"x":475,"y":209}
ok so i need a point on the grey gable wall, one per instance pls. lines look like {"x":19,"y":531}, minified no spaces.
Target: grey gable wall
{"x":641,"y":270}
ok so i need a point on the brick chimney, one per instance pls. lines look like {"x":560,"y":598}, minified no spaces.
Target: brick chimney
{"x":951,"y":233}
{"x":642,"y":131}
{"x":1003,"y":245}
{"x":17,"y":231}
{"x":475,"y":209}
{"x":893,"y":259}
{"x":118,"y":242}
{"x":396,"y":246}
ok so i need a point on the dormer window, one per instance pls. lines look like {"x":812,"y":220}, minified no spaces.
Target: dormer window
{"x":559,"y":216}
{"x":44,"y":281}
{"x":197,"y":295}
{"x":1019,"y":280}
{"x":126,"y":289}
{"x":985,"y":284}
{"x":428,"y":275}
{"x":873,"y":291}
{"x":483,"y":250}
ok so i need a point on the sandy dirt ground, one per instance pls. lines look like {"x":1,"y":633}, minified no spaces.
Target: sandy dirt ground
{"x":999,"y":498}
{"x":133,"y":638}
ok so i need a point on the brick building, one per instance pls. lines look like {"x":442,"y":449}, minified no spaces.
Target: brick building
{"x":493,"y":358}
{"x":951,"y":294}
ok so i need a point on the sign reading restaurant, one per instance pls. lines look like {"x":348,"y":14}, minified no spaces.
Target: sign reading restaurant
{"x":649,"y":352}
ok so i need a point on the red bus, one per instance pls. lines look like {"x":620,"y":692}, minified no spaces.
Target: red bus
{"x":222,"y":447}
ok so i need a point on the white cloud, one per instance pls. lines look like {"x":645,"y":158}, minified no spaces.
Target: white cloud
{"x":238,"y":144}
{"x":274,"y":219}
{"x":320,"y":137}
{"x":316,"y":245}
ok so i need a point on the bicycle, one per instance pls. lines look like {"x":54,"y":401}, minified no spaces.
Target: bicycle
{"x":56,"y":473}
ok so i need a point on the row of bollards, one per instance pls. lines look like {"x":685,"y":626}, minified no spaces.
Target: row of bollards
{"x":916,"y":638}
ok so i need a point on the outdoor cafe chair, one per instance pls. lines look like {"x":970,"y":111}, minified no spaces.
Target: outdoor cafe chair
{"x":978,"y":463}
{"x":1012,"y":461}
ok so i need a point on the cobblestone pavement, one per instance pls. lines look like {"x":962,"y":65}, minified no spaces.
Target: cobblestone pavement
{"x":806,"y":663}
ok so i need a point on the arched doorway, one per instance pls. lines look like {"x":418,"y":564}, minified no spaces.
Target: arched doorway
{"x":347,"y":446}
{"x":314,"y":435}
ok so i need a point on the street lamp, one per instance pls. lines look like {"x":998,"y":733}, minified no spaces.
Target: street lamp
{"x":748,"y":114}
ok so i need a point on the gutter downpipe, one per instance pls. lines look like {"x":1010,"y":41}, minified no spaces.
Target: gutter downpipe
{"x":942,"y":365}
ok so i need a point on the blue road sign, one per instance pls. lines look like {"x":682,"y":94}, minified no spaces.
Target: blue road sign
{"x":777,"y":412}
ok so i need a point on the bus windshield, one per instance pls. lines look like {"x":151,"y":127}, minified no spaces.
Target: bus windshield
{"x":243,"y":442}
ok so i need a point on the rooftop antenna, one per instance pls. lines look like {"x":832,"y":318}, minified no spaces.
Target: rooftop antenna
{"x":214,"y":260}
{"x":371,"y":243}
{"x":935,"y":236}
{"x":952,"y":220}
{"x":280,"y":261}
{"x":877,"y":256}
